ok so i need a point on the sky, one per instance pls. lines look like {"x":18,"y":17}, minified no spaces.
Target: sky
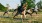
{"x":36,"y":1}
{"x":12,"y":3}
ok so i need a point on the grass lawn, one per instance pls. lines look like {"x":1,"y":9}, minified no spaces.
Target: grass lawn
{"x":9,"y":18}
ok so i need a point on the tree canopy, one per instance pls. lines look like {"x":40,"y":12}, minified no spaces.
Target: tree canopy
{"x":39,"y":4}
{"x":31,"y":3}
{"x":2,"y":8}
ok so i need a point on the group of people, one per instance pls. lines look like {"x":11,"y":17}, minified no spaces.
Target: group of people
{"x":23,"y":10}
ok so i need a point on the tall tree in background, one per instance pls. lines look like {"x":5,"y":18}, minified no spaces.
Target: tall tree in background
{"x":39,"y":4}
{"x":31,"y":3}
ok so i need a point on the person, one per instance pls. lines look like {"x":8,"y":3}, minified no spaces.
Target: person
{"x":21,"y":10}
{"x":35,"y":9}
{"x":15,"y":10}
{"x":6,"y":10}
{"x":29,"y":11}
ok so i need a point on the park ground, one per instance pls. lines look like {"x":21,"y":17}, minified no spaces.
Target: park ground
{"x":9,"y":18}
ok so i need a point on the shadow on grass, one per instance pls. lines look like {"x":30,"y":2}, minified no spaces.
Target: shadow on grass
{"x":17,"y":18}
{"x":20,"y":19}
{"x":4,"y":17}
{"x":11,"y":18}
{"x":35,"y":22}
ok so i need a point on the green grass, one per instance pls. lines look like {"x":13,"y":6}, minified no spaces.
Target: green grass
{"x":17,"y":19}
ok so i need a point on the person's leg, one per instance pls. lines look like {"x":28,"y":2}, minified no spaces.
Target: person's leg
{"x":16,"y":14}
{"x":26,"y":13}
{"x":12,"y":13}
{"x":23,"y":15}
{"x":4,"y":13}
{"x":30,"y":14}
{"x":7,"y":12}
{"x":36,"y":12}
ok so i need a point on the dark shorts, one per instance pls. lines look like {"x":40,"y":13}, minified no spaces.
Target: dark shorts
{"x":20,"y":10}
{"x":28,"y":13}
{"x":6,"y":11}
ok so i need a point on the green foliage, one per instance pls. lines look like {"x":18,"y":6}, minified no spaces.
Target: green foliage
{"x":11,"y":10}
{"x":31,"y":3}
{"x":39,"y":4}
{"x":2,"y":8}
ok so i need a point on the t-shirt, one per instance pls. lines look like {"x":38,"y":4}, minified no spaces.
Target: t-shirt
{"x":29,"y":11}
{"x":36,"y":9}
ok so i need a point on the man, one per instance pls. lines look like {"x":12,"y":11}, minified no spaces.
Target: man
{"x":15,"y":10}
{"x":21,"y":10}
{"x":29,"y":11}
{"x":6,"y":10}
{"x":35,"y":9}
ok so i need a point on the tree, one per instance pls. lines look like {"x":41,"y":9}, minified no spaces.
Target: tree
{"x":31,"y":3}
{"x":2,"y":8}
{"x":39,"y":4}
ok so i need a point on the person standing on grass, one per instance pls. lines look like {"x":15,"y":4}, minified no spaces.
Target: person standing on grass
{"x":35,"y":9}
{"x":15,"y":10}
{"x":6,"y":10}
{"x":22,"y":10}
{"x":29,"y":11}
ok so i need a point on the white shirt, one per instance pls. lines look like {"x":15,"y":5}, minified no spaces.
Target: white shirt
{"x":29,"y":11}
{"x":36,"y":8}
